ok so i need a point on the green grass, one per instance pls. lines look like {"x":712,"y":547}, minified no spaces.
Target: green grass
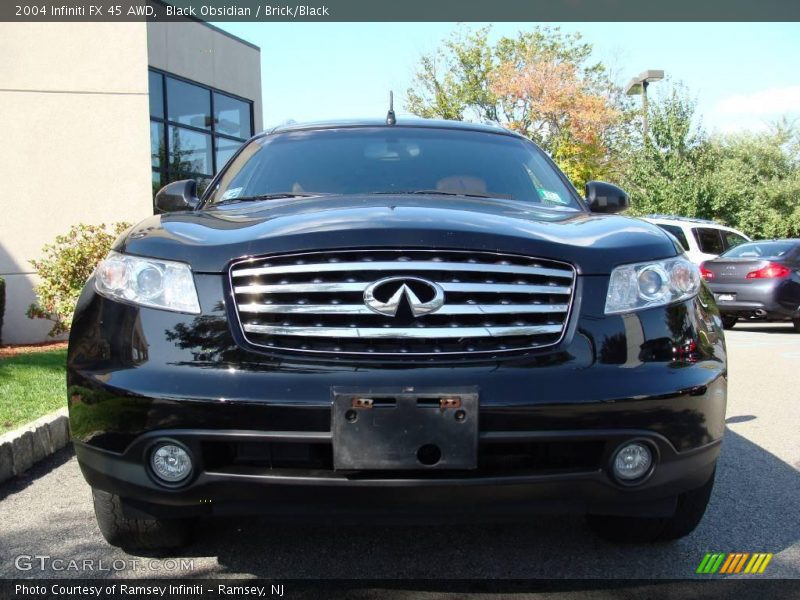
{"x":31,"y":385}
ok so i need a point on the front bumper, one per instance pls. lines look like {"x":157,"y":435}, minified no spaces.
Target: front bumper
{"x":549,"y":422}
{"x":399,"y":496}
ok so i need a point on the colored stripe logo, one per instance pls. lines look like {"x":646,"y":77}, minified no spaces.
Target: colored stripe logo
{"x":733,"y":562}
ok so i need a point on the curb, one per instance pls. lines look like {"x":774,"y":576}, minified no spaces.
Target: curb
{"x":24,"y":447}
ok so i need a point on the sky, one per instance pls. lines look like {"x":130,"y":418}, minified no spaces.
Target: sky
{"x":742,"y":75}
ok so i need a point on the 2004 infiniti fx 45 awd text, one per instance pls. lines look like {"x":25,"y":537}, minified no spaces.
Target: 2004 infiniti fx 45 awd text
{"x":410,"y":318}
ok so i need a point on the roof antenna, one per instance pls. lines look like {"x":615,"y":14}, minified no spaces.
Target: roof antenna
{"x":390,"y":118}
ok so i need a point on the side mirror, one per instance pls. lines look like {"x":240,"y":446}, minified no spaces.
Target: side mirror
{"x":605,"y":198}
{"x":178,"y":195}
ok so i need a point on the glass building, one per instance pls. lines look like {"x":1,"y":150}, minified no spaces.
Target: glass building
{"x":194,"y":128}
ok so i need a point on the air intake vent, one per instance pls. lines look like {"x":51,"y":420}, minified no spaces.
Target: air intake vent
{"x":402,"y":302}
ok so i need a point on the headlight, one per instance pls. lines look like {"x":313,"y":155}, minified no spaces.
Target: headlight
{"x":148,"y":282}
{"x":644,"y":285}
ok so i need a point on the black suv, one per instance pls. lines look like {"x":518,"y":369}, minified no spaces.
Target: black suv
{"x":412,"y":318}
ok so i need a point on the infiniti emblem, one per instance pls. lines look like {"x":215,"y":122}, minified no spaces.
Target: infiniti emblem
{"x":422,"y":296}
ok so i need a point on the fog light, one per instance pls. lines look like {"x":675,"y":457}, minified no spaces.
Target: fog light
{"x":632,"y":461}
{"x":171,"y":463}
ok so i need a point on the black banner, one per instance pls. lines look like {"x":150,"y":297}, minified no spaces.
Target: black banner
{"x":399,"y":10}
{"x":237,"y":589}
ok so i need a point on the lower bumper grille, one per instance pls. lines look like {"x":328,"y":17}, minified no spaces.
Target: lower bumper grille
{"x":402,"y":302}
{"x":494,"y":458}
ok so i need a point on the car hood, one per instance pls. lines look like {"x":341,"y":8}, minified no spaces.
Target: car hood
{"x":209,"y":239}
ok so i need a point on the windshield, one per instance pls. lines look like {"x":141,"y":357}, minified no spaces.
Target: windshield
{"x":393,"y":160}
{"x":761,"y":250}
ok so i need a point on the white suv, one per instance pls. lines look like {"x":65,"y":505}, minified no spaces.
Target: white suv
{"x":701,"y":239}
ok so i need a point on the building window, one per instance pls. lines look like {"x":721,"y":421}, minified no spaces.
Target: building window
{"x":232,"y":116}
{"x":194,"y":129}
{"x":156,"y":145}
{"x":189,"y":151}
{"x":188,"y":104}
{"x":156,"y":82}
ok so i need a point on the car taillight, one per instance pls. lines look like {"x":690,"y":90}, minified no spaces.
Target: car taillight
{"x":771,"y":271}
{"x":706,"y":274}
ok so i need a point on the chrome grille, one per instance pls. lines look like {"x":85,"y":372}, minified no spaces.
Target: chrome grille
{"x":315,"y":302}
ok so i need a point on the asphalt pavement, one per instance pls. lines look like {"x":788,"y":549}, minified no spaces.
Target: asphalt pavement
{"x":755,"y":507}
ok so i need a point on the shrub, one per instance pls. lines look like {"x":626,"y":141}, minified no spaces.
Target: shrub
{"x":2,"y":305}
{"x":64,"y":268}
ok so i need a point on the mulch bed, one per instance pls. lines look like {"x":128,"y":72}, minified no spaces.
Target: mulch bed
{"x":9,"y":351}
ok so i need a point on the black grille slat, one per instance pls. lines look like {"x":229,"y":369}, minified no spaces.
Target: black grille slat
{"x":314,"y":302}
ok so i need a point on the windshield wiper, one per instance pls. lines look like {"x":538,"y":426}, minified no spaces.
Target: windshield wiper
{"x":275,"y":196}
{"x":434,"y":193}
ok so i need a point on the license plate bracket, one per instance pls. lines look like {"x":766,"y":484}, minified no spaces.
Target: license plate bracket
{"x":386,"y":429}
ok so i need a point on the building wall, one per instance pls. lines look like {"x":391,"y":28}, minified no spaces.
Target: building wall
{"x":74,"y":115}
{"x":209,"y":56}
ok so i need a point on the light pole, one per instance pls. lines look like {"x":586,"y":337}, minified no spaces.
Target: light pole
{"x":638,"y":85}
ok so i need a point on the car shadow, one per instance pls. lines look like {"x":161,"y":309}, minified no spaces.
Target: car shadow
{"x":750,"y":511}
{"x":740,"y":419}
{"x":759,"y":327}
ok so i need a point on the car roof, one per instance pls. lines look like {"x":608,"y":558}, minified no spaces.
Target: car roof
{"x":401,"y":122}
{"x":791,"y":240}
{"x":679,"y":219}
{"x":668,"y":220}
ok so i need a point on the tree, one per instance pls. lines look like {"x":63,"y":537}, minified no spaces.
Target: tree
{"x":756,"y":179}
{"x":750,"y":181}
{"x":667,"y":173}
{"x":541,"y":84}
{"x":65,"y":266}
{"x":548,"y":102}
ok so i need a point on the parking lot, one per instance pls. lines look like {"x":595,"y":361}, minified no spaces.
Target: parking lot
{"x":755,"y":508}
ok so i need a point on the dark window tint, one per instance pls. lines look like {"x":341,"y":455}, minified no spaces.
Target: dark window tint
{"x":732,"y":239}
{"x":776,"y":249}
{"x":188,"y":104}
{"x":189,"y":151}
{"x":677,"y":232}
{"x":231,"y":116}
{"x":709,"y":240}
{"x":156,"y":91}
{"x":396,"y":160}
{"x":156,"y":144}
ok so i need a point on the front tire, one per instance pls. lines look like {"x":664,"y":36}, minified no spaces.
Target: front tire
{"x":796,"y":323}
{"x":136,"y":534}
{"x":729,"y":321}
{"x":631,"y":530}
